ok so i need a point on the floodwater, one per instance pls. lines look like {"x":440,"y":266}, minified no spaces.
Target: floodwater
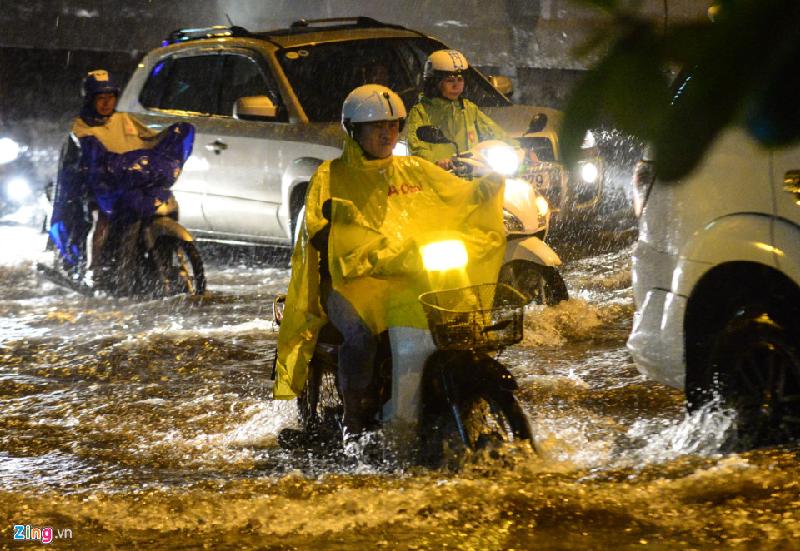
{"x":149,"y":425}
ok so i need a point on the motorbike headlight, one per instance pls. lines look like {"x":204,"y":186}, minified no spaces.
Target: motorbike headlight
{"x":503,"y":160}
{"x":589,"y":172}
{"x":400,"y":149}
{"x":588,"y":140}
{"x":9,"y":150}
{"x":18,"y":189}
{"x":440,"y":256}
{"x":542,"y":205}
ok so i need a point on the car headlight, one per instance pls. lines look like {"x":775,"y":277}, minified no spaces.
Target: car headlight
{"x":503,"y":160}
{"x":588,"y":140}
{"x":18,"y":189}
{"x":400,"y":149}
{"x":542,"y":205}
{"x":9,"y":150}
{"x":589,"y":172}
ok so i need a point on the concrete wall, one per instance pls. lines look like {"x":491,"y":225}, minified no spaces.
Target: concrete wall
{"x":504,"y":33}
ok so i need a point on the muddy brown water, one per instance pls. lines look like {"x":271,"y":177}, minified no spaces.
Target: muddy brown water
{"x":149,"y":425}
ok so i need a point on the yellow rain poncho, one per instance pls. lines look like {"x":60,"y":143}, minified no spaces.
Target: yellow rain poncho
{"x":120,"y":133}
{"x":461,"y":120}
{"x":381,"y":212}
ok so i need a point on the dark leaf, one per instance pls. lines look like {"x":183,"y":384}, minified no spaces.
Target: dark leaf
{"x":637,"y":91}
{"x":600,"y":40}
{"x":581,"y":114}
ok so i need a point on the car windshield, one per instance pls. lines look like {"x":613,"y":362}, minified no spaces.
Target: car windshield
{"x":323,"y":74}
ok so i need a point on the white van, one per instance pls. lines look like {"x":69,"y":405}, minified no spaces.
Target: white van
{"x":716,"y":280}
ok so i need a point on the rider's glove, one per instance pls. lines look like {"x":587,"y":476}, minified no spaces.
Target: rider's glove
{"x":396,"y":260}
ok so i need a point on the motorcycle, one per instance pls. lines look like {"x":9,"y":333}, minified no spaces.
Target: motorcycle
{"x":148,"y":252}
{"x":467,"y":400}
{"x":530,"y":265}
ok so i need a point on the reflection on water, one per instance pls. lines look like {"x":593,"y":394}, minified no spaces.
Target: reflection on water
{"x":149,"y":424}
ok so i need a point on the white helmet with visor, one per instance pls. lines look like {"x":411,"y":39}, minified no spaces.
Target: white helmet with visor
{"x":445,"y":61}
{"x":372,"y":103}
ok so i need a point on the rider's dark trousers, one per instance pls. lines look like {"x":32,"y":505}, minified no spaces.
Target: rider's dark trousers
{"x":356,"y":359}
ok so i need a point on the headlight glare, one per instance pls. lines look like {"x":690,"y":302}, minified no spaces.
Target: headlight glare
{"x":9,"y":150}
{"x":441,"y":256}
{"x":589,"y":172}
{"x":18,"y":189}
{"x":503,"y":160}
{"x":542,"y":205}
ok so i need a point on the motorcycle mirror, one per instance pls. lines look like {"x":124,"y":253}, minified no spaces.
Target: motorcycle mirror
{"x":431,"y":134}
{"x":537,"y":124}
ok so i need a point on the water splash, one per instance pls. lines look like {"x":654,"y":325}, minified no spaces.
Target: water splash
{"x":703,"y":432}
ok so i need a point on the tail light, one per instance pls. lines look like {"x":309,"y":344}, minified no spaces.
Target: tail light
{"x":643,"y":177}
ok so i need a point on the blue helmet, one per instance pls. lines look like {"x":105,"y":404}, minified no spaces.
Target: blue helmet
{"x":99,"y":82}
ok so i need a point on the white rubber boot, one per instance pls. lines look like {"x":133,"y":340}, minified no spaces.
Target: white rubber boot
{"x":410,"y":348}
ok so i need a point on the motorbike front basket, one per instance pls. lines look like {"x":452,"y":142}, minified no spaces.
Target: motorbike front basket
{"x":478,"y":317}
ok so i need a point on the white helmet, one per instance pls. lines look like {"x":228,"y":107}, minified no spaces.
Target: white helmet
{"x":371,"y":103}
{"x":445,"y":61}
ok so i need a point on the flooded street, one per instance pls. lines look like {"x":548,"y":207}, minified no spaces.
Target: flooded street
{"x":150,"y":425}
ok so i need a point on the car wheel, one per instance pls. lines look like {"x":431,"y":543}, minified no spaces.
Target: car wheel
{"x":754,"y":362}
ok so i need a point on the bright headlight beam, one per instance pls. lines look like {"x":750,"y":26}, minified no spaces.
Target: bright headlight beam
{"x":542,"y":205}
{"x":589,"y":173}
{"x":441,"y":256}
{"x":9,"y":150}
{"x":18,"y":189}
{"x":503,"y":160}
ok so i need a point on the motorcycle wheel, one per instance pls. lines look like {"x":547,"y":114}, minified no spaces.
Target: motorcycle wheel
{"x":488,"y":422}
{"x":319,"y":405}
{"x":541,"y":284}
{"x":182,"y":265}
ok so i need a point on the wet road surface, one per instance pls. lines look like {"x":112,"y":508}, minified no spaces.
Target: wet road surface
{"x":150,"y":425}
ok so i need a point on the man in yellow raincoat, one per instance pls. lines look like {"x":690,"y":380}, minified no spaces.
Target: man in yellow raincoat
{"x":356,"y":264}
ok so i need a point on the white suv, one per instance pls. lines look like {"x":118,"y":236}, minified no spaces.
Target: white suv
{"x":716,"y":281}
{"x":266,"y":108}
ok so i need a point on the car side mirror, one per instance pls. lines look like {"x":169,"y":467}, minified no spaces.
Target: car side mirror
{"x":432,"y":134}
{"x":537,"y":124}
{"x":254,"y":108}
{"x":503,"y":85}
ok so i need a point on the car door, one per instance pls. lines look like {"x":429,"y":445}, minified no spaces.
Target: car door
{"x":184,"y":87}
{"x":244,"y":161}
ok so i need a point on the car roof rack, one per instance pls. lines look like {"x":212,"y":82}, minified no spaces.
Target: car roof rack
{"x":310,"y":25}
{"x":217,"y":31}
